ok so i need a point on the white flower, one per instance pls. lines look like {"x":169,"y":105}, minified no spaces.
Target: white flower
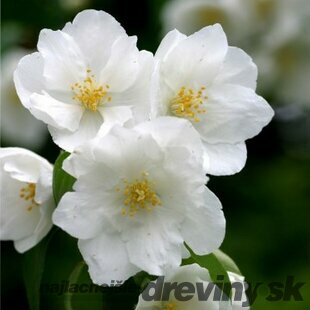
{"x":18,"y":126}
{"x":139,"y":195}
{"x":193,"y":278}
{"x":283,"y":54}
{"x":273,"y":32}
{"x":261,"y":14}
{"x":26,"y":197}
{"x":84,"y":75}
{"x":190,"y":16}
{"x":204,"y":80}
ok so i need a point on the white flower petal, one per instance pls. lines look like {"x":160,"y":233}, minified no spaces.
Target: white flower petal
{"x":107,"y":259}
{"x":63,"y":61}
{"x":122,"y":68}
{"x":95,"y":32}
{"x":16,"y":221}
{"x":238,"y":68}
{"x":168,"y":43}
{"x":225,"y":159}
{"x":88,"y":155}
{"x":238,"y":304}
{"x":119,"y":152}
{"x":56,"y":113}
{"x":172,"y":131}
{"x":234,"y":114}
{"x":195,"y":274}
{"x":84,"y":213}
{"x":88,"y":127}
{"x":150,"y":249}
{"x":209,"y":223}
{"x":43,"y":227}
{"x":198,"y":58}
{"x":138,"y":95}
{"x":112,"y":116}
{"x":23,"y":165}
{"x":28,"y":77}
{"x":78,"y":215}
{"x":175,"y":132}
{"x":80,"y":161}
{"x":44,"y":184}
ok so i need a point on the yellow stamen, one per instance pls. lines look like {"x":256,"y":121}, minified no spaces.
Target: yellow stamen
{"x":28,"y":193}
{"x":89,"y":93}
{"x":139,"y":195}
{"x":188,"y":103}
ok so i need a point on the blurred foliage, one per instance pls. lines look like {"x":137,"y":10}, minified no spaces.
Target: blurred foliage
{"x":266,"y":205}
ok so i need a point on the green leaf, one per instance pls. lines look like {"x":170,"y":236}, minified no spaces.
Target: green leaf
{"x":62,"y":181}
{"x":33,"y":266}
{"x":142,"y":279}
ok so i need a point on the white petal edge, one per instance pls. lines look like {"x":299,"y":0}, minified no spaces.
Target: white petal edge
{"x":234,"y":114}
{"x":225,"y":159}
{"x":44,"y":226}
{"x":55,"y":113}
{"x":238,"y":68}
{"x":170,"y":40}
{"x":87,"y":129}
{"x":107,"y":259}
{"x":22,"y":164}
{"x":28,"y":77}
{"x":209,"y":223}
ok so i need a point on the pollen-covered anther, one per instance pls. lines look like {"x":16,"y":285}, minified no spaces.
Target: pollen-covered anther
{"x":139,"y":195}
{"x":90,"y":93}
{"x":28,"y":193}
{"x":189,"y":103}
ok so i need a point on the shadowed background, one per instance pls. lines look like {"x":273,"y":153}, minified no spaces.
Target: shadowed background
{"x":266,"y":205}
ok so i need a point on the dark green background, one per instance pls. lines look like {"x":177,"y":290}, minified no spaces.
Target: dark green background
{"x":266,"y":205}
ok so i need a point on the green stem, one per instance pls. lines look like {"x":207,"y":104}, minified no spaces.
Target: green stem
{"x":74,"y":276}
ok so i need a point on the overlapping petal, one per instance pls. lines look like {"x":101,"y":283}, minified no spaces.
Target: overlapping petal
{"x":151,"y":164}
{"x":201,"y":78}
{"x":89,"y":66}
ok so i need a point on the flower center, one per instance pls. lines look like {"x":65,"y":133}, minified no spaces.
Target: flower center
{"x":210,"y":16}
{"x":89,"y":93}
{"x":171,"y":306}
{"x":286,"y":58}
{"x":265,"y":7}
{"x":188,"y":103}
{"x":139,"y":195}
{"x":27,"y":193}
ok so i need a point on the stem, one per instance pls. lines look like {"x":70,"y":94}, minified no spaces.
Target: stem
{"x":73,"y":278}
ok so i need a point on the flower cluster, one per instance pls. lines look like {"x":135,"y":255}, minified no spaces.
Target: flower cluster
{"x":144,"y":131}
